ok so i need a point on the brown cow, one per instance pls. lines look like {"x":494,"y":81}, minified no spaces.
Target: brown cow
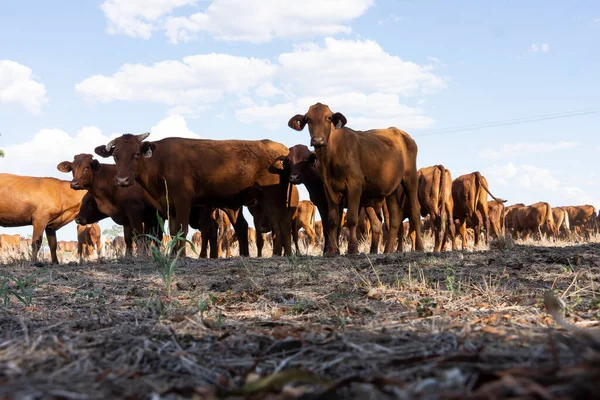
{"x":197,"y":239}
{"x":118,"y":245}
{"x":132,"y":207}
{"x":70,"y":246}
{"x":583,"y":219}
{"x":10,"y":242}
{"x":366,"y":168}
{"x":218,"y":173}
{"x":305,"y":218}
{"x":497,"y":220}
{"x":469,"y":195}
{"x":510,"y":217}
{"x":435,"y":199}
{"x":532,"y":218}
{"x":561,"y":220}
{"x":319,"y":231}
{"x":46,"y":203}
{"x":214,"y":224}
{"x":88,"y":237}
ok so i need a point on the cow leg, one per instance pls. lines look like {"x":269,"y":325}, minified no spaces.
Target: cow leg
{"x":463,"y":233}
{"x":352,"y":219}
{"x":376,"y":228}
{"x":137,"y":230}
{"x":241,"y":230}
{"x":260,"y":242}
{"x":214,"y":238}
{"x":438,"y":231}
{"x":295,"y":228}
{"x":36,"y":238}
{"x":414,"y":210}
{"x":311,"y":238}
{"x":395,"y":230}
{"x":451,"y":229}
{"x":334,"y":219}
{"x":128,"y":235}
{"x":180,"y":222}
{"x":51,"y":236}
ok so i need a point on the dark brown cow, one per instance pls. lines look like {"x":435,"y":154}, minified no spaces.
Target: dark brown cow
{"x":214,"y":224}
{"x":435,"y":199}
{"x":217,"y":173}
{"x":88,"y":237}
{"x":262,"y":224}
{"x":533,"y":218}
{"x":469,"y":195}
{"x":365,"y":168}
{"x":302,"y":165}
{"x":10,"y":242}
{"x":46,"y":203}
{"x":583,"y":219}
{"x":132,"y":207}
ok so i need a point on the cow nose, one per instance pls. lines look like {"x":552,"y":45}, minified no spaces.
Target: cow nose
{"x":295,"y":179}
{"x":75,"y":185}
{"x":80,"y":221}
{"x":317,"y":142}
{"x":122,"y":181}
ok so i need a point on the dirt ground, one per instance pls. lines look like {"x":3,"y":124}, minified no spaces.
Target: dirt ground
{"x":455,"y":325}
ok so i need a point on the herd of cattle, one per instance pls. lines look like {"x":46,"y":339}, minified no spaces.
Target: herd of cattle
{"x":204,"y":184}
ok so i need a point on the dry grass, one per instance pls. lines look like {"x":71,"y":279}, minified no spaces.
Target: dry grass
{"x":396,"y":326}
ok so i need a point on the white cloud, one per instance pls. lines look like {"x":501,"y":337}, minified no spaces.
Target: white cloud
{"x":526,"y":176}
{"x":596,"y":20}
{"x":18,"y":86}
{"x":378,"y":110}
{"x":390,"y":18}
{"x":233,"y":20}
{"x":196,"y":79}
{"x":354,"y":65}
{"x":40,"y":155}
{"x":524,"y":148}
{"x":138,"y":18}
{"x":353,"y":76}
{"x":262,"y":21}
{"x":544,"y":48}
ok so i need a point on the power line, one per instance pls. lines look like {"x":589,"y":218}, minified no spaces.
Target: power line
{"x":506,"y":122}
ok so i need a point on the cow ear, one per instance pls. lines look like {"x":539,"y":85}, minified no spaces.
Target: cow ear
{"x":277,"y":166}
{"x":64,"y":166}
{"x":95,"y":164}
{"x":147,"y":149}
{"x":297,"y":122}
{"x":312,"y":159}
{"x":102,"y":152}
{"x":338,"y":120}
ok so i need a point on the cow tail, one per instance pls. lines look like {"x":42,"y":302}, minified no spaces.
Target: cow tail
{"x":313,"y":211}
{"x":480,"y":183}
{"x":289,"y":195}
{"x":442,"y":199}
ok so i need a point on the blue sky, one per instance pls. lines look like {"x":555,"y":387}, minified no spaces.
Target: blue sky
{"x":75,"y":74}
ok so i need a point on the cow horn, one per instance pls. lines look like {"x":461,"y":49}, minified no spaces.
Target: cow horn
{"x":142,"y":136}
{"x":110,"y":145}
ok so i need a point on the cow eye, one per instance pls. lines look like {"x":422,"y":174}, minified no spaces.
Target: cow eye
{"x":328,"y":119}
{"x":137,"y":154}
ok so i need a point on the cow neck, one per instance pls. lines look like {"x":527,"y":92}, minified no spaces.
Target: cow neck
{"x":104,"y":183}
{"x":324,"y":155}
{"x":148,"y":168}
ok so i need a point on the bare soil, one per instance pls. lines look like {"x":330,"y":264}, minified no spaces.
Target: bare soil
{"x":452,"y":325}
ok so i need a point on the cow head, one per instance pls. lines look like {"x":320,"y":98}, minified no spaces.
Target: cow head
{"x":129,"y":152}
{"x":261,"y":221}
{"x":299,"y":162}
{"x":83,"y":167}
{"x":321,"y":120}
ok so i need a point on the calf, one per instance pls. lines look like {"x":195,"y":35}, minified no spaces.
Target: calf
{"x":88,"y":237}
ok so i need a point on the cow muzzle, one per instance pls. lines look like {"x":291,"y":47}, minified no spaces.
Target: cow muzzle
{"x":295,"y":179}
{"x":80,"y":221}
{"x":123,"y":182}
{"x":75,"y":185}
{"x":317,"y":141}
